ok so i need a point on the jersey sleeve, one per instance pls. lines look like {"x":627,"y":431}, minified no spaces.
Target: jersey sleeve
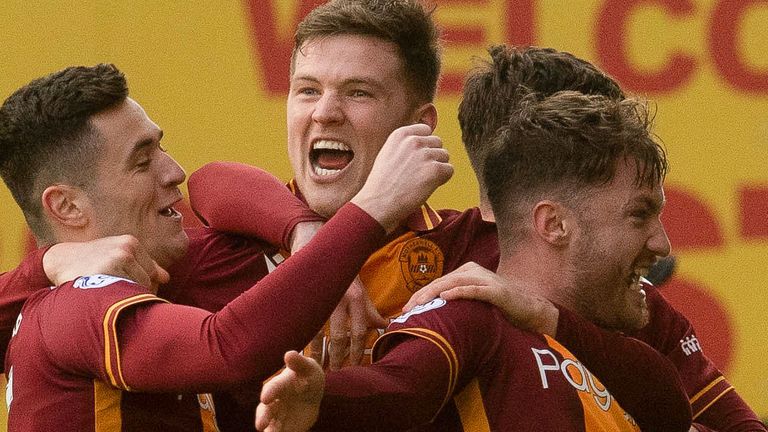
{"x":714,"y":402}
{"x":15,"y":287}
{"x":729,"y":413}
{"x":243,"y":199}
{"x":644,"y":382}
{"x":78,"y":325}
{"x":422,"y":359}
{"x":247,"y":339}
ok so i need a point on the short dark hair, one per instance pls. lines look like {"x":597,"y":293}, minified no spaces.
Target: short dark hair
{"x":557,"y":147}
{"x":406,"y":23}
{"x":46,"y":136}
{"x":496,"y":86}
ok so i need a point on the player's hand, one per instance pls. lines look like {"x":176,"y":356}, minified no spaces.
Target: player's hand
{"x":290,"y":401}
{"x":116,"y":255}
{"x":302,"y":233}
{"x":349,"y":325}
{"x":522,"y":308}
{"x":410,"y":166}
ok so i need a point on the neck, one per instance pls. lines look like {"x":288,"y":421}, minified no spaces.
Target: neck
{"x":540,"y":272}
{"x":486,"y":212}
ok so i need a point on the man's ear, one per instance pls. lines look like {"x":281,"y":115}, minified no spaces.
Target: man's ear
{"x":553,"y":222}
{"x":427,"y":114}
{"x":65,"y":205}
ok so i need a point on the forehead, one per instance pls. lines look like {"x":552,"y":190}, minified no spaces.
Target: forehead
{"x":123,"y":128}
{"x":348,"y":56}
{"x":625,"y":189}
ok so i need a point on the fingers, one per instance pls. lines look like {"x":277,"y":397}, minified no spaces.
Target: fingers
{"x":161,"y":276}
{"x":317,"y":348}
{"x":469,"y":273}
{"x":339,"y":336}
{"x":432,"y":290}
{"x":472,"y":292}
{"x":303,"y":366}
{"x":278,"y":386}
{"x":363,"y":317}
{"x":358,"y":331}
{"x":264,"y":416}
{"x":411,"y":129}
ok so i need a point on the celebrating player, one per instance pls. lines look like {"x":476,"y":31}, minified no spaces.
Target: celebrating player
{"x":84,"y":161}
{"x":575,"y":182}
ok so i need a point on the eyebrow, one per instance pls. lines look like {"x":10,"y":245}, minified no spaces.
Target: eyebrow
{"x":146,"y":142}
{"x":345,"y":82}
{"x":649,"y":201}
{"x":141,"y":145}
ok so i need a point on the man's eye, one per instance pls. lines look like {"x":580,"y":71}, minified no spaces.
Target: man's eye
{"x":640,"y":214}
{"x":308,"y":91}
{"x":144,"y":164}
{"x":360,"y":93}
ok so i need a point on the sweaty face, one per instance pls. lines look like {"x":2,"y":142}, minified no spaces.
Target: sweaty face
{"x":347,"y":95}
{"x":137,"y":183}
{"x":619,"y":237}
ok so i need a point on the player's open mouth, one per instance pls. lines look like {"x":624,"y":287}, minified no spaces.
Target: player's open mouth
{"x":330,"y":157}
{"x":637,"y":279}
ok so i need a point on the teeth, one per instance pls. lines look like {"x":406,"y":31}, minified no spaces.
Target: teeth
{"x":324,"y":172}
{"x":330,"y":145}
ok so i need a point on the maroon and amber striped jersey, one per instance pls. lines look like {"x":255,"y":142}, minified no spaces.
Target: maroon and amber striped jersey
{"x":167,"y":348}
{"x":64,"y":371}
{"x":505,"y":379}
{"x":492,"y":377}
{"x":431,"y":247}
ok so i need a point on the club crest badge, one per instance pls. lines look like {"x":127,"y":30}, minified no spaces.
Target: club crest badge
{"x":421,"y":262}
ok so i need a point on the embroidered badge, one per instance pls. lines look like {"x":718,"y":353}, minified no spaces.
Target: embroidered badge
{"x":421,"y":262}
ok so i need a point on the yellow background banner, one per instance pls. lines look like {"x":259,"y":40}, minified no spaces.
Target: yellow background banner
{"x":213,"y":75}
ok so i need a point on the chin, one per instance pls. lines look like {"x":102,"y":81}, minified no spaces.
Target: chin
{"x":326,"y":206}
{"x":172,"y":251}
{"x":635,"y":318}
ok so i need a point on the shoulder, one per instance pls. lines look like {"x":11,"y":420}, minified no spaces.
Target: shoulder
{"x":439,"y":309}
{"x":457,"y":322}
{"x":89,"y":297}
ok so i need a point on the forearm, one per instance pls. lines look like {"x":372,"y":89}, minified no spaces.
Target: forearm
{"x":243,"y":199}
{"x":729,"y":414}
{"x":247,"y":339}
{"x":645,"y":383}
{"x":403,"y":390}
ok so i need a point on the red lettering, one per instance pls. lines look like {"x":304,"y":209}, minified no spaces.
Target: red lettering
{"x":724,"y":46}
{"x":519,"y":30}
{"x":753,"y":212}
{"x":459,"y":35}
{"x":520,"y":27}
{"x":612,"y":49}
{"x":690,"y":223}
{"x":273,"y":47}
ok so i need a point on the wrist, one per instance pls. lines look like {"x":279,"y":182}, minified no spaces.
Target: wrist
{"x":377,"y":210}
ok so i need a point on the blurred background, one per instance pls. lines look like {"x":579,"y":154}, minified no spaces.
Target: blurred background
{"x":214,"y":76}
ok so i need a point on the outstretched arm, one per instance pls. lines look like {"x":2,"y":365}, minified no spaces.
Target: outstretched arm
{"x":251,"y":333}
{"x":247,"y":338}
{"x":243,"y":199}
